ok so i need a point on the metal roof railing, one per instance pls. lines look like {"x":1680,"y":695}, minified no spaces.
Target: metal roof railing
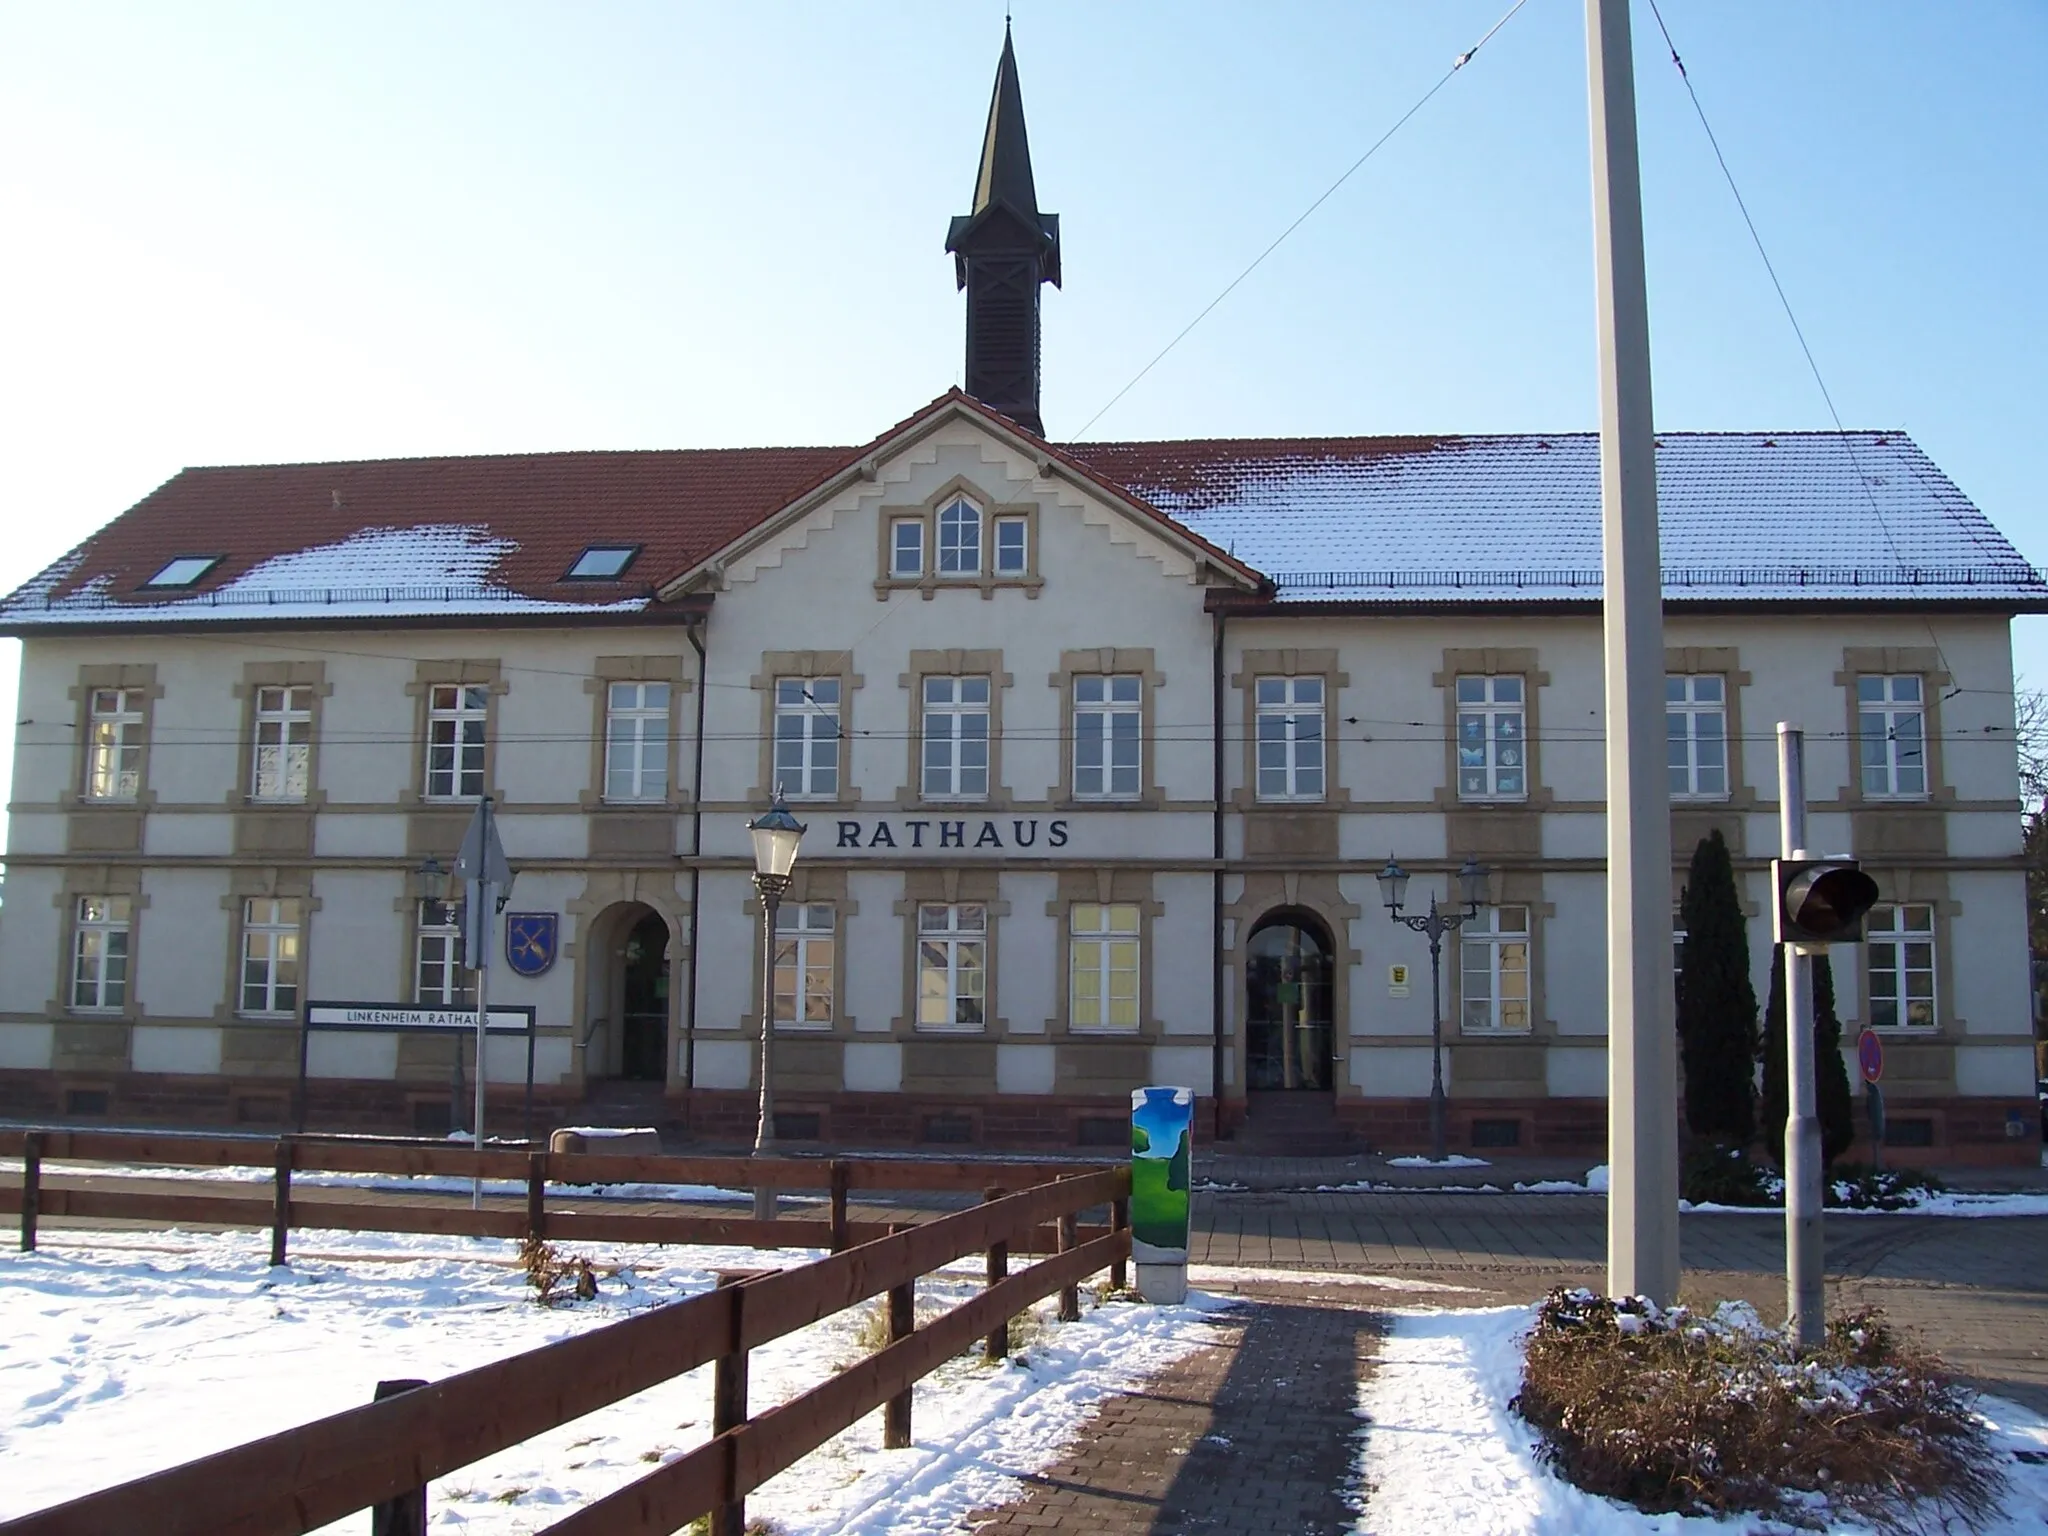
{"x":2006,"y":575}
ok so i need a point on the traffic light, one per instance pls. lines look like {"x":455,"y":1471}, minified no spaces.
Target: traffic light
{"x":1820,"y":901}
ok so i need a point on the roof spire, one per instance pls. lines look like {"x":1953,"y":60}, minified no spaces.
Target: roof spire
{"x":1002,"y":252}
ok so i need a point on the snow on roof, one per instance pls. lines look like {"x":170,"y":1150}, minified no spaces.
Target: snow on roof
{"x":437,"y":568}
{"x":1745,"y":516}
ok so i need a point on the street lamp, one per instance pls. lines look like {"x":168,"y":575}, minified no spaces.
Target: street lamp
{"x":1436,"y":923}
{"x":776,"y":834}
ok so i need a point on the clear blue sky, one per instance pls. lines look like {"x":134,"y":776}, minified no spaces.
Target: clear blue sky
{"x":242,"y":233}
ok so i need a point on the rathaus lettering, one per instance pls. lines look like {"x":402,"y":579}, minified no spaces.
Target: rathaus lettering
{"x":1014,"y":832}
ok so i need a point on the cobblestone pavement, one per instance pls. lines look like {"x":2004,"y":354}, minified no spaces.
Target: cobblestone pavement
{"x":1252,"y":1434}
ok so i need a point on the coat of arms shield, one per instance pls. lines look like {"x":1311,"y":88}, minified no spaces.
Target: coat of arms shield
{"x":530,"y":941}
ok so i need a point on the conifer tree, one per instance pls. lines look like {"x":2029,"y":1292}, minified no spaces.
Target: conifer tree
{"x":1832,"y":1102}
{"x":1717,"y":1026}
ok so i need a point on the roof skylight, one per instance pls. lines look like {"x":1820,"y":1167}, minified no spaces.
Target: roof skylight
{"x":183,"y":571}
{"x":602,"y":562}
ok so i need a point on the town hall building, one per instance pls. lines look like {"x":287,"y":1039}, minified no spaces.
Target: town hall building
{"x":1100,"y":748}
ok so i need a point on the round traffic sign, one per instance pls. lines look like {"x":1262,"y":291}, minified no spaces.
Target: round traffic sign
{"x":1870,"y":1055}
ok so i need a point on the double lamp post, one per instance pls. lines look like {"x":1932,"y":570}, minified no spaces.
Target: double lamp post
{"x":1435,"y":923}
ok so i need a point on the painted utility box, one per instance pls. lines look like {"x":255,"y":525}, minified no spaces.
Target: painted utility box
{"x":1162,"y":1153}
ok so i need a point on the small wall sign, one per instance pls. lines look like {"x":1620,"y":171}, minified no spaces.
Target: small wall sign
{"x":1397,"y":981}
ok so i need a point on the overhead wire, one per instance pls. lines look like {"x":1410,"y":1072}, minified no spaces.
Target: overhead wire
{"x":1842,"y":434}
{"x":1280,"y":239}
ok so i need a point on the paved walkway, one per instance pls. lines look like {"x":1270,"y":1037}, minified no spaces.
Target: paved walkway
{"x":1252,"y":1434}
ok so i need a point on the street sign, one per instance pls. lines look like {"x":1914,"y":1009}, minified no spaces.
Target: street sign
{"x":1870,"y":1055}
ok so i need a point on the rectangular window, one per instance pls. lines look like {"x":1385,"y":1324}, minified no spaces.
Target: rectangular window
{"x":1492,"y":754}
{"x":956,"y":725}
{"x":1013,"y":546}
{"x":281,"y":765}
{"x":1102,"y":969}
{"x":270,"y":956}
{"x":952,"y":966}
{"x":804,"y":949}
{"x":807,"y":736}
{"x":1899,"y":949}
{"x":636,"y":741}
{"x":1494,"y":962}
{"x":1891,"y":726}
{"x":960,"y":538}
{"x":1290,"y":737}
{"x":99,"y":955}
{"x":113,"y":747}
{"x":906,"y":548}
{"x":1108,"y":714}
{"x":456,"y":714}
{"x":443,"y":980}
{"x":1696,"y":735}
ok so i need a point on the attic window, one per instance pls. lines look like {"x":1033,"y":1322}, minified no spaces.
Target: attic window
{"x":602,"y":562}
{"x":184,"y":571}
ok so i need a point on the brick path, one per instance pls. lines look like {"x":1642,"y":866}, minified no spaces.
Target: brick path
{"x":1252,"y":1434}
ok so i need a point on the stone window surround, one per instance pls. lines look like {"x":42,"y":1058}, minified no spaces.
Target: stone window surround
{"x":807,"y":886}
{"x":245,"y":884}
{"x":1495,"y":661}
{"x":987,"y":583}
{"x":956,"y":663}
{"x":477,"y":672}
{"x":607,"y":670}
{"x":1893,"y":661}
{"x":1511,"y":888}
{"x":948,"y":885}
{"x":835,"y":664}
{"x":1904,"y":887}
{"x":1111,"y":661}
{"x":138,"y":677}
{"x":1271,"y":894}
{"x":1725,"y":662}
{"x":406,"y":905}
{"x":1288,"y":661}
{"x":1103,"y":886}
{"x":97,"y":880}
{"x":256,"y":675}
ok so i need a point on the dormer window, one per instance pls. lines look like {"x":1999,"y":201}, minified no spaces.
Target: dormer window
{"x":602,"y":562}
{"x":182,"y":571}
{"x":960,"y":538}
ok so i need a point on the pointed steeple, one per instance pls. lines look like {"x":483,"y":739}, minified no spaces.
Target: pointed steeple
{"x":1002,"y":252}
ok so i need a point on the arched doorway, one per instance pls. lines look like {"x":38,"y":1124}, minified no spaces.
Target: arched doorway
{"x":643,"y":1001}
{"x":626,"y":995}
{"x":1288,"y":1003}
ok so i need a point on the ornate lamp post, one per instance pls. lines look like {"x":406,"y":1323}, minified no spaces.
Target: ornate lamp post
{"x":1436,"y":923}
{"x":776,"y":835}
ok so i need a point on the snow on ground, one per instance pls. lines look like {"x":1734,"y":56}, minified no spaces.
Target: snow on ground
{"x":1922,"y":1203}
{"x":124,"y":1353}
{"x":1453,"y":1160}
{"x":1441,"y":1451}
{"x":405,"y":1183}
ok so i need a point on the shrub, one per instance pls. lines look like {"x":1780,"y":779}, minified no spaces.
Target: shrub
{"x":1717,"y":1032}
{"x":1678,"y":1413}
{"x":1715,"y":1175}
{"x":546,"y":1269}
{"x":1833,"y":1105}
{"x":1859,"y":1187}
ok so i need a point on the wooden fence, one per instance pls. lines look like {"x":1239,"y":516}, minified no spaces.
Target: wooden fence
{"x":385,"y":1451}
{"x":279,"y":1210}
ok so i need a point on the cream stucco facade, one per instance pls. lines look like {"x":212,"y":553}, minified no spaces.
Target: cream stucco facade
{"x":1194,"y":853}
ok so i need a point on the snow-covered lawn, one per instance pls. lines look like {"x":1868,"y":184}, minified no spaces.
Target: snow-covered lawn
{"x":124,"y":1353}
{"x":1441,"y":1452}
